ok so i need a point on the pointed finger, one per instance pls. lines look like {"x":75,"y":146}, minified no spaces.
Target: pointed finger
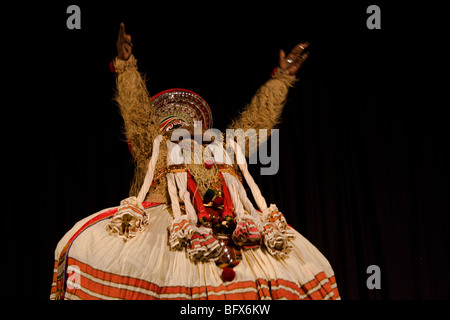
{"x":121,"y":31}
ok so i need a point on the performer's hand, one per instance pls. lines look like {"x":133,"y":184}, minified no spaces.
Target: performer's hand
{"x":294,"y":60}
{"x":124,"y":44}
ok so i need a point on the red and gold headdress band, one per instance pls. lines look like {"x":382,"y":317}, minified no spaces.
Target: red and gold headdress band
{"x":178,"y":107}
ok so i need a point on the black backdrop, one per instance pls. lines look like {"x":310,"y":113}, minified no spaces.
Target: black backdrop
{"x":363,"y":157}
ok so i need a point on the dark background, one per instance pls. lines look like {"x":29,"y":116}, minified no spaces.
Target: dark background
{"x":364,"y":152}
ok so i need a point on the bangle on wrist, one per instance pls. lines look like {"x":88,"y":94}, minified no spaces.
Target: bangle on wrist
{"x":119,"y":66}
{"x":279,"y":70}
{"x":283,"y":75}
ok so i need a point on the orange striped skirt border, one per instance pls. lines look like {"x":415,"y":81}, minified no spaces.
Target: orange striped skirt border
{"x":95,"y":284}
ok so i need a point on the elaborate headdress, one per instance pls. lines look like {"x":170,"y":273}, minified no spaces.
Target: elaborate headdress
{"x":178,"y":107}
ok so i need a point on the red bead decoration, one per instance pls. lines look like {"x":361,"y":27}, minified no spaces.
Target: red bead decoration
{"x":209,"y":164}
{"x":218,"y":200}
{"x":272,"y":74}
{"x":112,"y":68}
{"x":228,"y":274}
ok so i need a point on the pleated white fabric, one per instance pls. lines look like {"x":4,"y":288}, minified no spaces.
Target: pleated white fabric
{"x":146,"y":268}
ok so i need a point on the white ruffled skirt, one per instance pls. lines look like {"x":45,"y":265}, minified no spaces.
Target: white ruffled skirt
{"x":90,"y":263}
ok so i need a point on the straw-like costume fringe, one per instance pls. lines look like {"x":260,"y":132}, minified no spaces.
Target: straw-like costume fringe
{"x":264,"y":110}
{"x":140,"y":123}
{"x":141,"y":126}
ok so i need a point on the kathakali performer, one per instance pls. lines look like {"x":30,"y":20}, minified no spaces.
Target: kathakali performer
{"x":188,"y":229}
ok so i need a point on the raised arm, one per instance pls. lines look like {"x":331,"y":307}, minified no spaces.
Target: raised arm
{"x":266,"y":106}
{"x":140,"y":124}
{"x":134,"y":100}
